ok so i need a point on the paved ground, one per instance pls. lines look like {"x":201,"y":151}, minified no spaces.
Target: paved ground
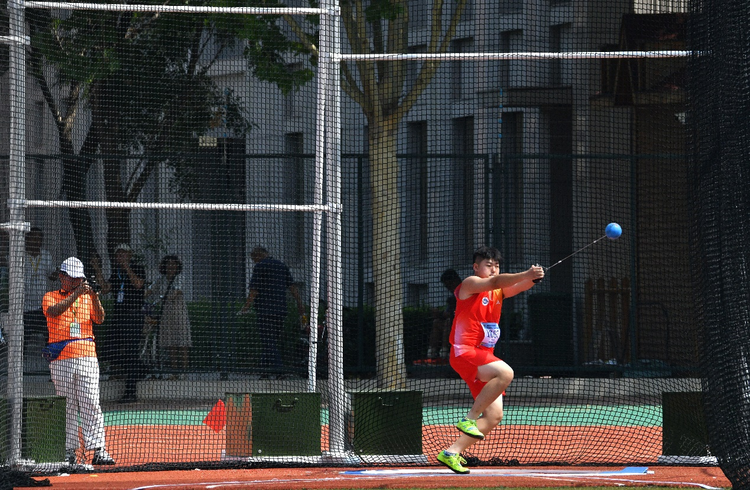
{"x":707,"y":478}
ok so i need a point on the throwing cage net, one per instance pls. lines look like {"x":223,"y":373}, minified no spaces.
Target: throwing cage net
{"x":718,"y":102}
{"x":271,"y":203}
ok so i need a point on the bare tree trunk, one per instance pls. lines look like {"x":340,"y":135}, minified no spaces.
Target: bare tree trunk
{"x":75,"y":170}
{"x":105,"y":116}
{"x":386,"y":211}
{"x":75,"y":167}
{"x":118,"y":219}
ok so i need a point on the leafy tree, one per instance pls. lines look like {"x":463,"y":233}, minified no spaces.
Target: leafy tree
{"x":383,"y":92}
{"x":139,"y":85}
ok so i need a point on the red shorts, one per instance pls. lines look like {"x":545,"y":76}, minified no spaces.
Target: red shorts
{"x":467,"y":364}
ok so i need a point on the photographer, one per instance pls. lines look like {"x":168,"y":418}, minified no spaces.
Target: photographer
{"x":71,"y":312}
{"x":96,"y":275}
{"x":126,"y":283}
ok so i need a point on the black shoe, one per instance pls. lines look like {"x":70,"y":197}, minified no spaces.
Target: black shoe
{"x":102,"y":457}
{"x":70,"y":457}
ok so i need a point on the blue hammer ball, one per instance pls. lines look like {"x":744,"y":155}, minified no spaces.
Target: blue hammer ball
{"x":613,"y":231}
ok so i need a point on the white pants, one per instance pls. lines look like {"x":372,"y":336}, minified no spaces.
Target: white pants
{"x":78,"y":381}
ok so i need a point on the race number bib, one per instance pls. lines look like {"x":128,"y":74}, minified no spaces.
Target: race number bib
{"x":491,"y":334}
{"x":75,"y":330}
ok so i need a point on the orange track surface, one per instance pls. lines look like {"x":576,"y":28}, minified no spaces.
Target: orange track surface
{"x":334,"y":478}
{"x":527,"y":444}
{"x":604,"y":445}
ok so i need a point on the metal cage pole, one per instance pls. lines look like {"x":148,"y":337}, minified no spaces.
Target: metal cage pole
{"x":16,"y":225}
{"x":331,"y":32}
{"x":318,"y":194}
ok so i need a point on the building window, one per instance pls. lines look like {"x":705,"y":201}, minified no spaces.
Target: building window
{"x":416,"y":295}
{"x":559,"y":39}
{"x":468,"y":13}
{"x":509,"y":211}
{"x":290,"y":103}
{"x":462,"y":75}
{"x":294,"y":190}
{"x":215,"y":257}
{"x":419,"y":14}
{"x":40,"y":110}
{"x":513,"y":6}
{"x":415,"y":183}
{"x":364,"y":211}
{"x":510,"y":73}
{"x":463,"y":191}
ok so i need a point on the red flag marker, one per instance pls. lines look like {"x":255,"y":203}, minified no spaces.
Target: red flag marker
{"x":217,"y":417}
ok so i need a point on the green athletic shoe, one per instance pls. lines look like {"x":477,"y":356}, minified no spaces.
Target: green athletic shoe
{"x":453,"y":462}
{"x":469,"y":427}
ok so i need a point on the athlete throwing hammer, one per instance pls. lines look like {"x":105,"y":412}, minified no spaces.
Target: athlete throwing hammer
{"x":474,"y":333}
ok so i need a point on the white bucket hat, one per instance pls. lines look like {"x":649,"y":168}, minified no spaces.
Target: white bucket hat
{"x":73,"y":267}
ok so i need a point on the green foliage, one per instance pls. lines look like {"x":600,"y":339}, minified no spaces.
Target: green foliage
{"x":240,"y":340}
{"x":151,"y":70}
{"x":383,"y":10}
{"x":267,"y":66}
{"x":223,"y":341}
{"x":147,"y":81}
{"x":359,"y":346}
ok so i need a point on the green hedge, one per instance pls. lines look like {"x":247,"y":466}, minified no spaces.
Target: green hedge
{"x":359,"y":347}
{"x":226,"y":342}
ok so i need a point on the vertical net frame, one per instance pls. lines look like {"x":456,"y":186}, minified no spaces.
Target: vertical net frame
{"x":326,"y":215}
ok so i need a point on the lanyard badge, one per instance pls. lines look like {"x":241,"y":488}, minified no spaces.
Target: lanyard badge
{"x":75,"y":327}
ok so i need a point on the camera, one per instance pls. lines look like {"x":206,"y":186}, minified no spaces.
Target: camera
{"x":95,"y":286}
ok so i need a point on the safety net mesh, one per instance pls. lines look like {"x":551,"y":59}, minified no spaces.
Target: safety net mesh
{"x":718,"y":104}
{"x":235,"y":229}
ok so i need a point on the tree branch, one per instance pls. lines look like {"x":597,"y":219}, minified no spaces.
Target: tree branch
{"x":134,"y":31}
{"x":455,"y":19}
{"x":356,"y":31}
{"x":301,"y":35}
{"x":429,"y":68}
{"x":395,"y":75}
{"x":349,"y":85}
{"x":135,"y":185}
{"x":37,"y":73}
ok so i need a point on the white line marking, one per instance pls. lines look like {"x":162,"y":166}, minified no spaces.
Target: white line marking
{"x":393,"y":474}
